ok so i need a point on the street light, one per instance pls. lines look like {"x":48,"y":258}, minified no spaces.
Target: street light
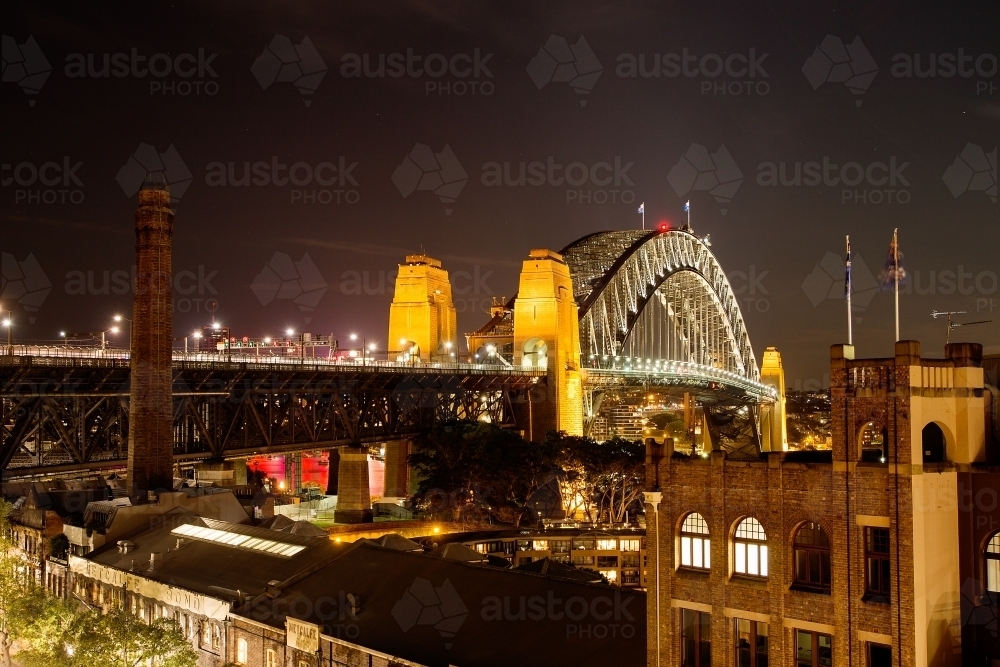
{"x":121,"y":318}
{"x":104,"y":342}
{"x":9,"y":323}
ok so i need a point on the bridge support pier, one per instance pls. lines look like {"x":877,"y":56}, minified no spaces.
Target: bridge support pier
{"x":333,"y":472}
{"x":354,"y":501}
{"x":397,"y":472}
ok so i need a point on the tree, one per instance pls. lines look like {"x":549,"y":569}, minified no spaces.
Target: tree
{"x":44,"y":639}
{"x":474,"y":467}
{"x":119,"y":639}
{"x":604,"y":479}
{"x":619,"y":477}
{"x":14,"y":589}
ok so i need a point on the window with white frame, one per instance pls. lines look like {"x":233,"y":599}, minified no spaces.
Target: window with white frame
{"x":241,"y":651}
{"x":696,"y":551}
{"x":750,"y":548}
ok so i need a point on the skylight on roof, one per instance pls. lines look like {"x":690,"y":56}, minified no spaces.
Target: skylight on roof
{"x":237,"y":540}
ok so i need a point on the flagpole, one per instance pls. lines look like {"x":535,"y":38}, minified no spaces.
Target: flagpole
{"x":849,"y":289}
{"x":895,"y":274}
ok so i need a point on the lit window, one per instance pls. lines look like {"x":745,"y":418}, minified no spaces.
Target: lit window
{"x":541,"y":545}
{"x":696,"y":548}
{"x":607,"y":545}
{"x":750,"y":548}
{"x":270,"y":658}
{"x":993,"y":564}
{"x":629,"y":545}
{"x":812,"y":557}
{"x":241,"y":651}
{"x":751,"y":643}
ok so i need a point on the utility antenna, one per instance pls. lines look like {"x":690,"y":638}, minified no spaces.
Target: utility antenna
{"x":954,"y":325}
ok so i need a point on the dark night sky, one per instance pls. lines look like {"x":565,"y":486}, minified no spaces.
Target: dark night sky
{"x":770,"y":238}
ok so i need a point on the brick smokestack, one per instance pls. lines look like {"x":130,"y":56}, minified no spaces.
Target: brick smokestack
{"x":150,"y":436}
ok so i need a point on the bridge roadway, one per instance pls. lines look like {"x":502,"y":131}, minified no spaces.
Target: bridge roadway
{"x":65,"y":409}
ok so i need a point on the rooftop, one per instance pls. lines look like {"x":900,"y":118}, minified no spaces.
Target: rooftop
{"x":438,"y":611}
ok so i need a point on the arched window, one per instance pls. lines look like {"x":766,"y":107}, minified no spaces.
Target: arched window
{"x":812,"y":557}
{"x":872,"y":441}
{"x":535,"y":354}
{"x":993,"y":564}
{"x":750,"y":548}
{"x":932,"y":443}
{"x":695,"y":545}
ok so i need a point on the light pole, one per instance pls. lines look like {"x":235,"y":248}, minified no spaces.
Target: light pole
{"x":9,"y":323}
{"x":104,"y":342}
{"x":120,"y":318}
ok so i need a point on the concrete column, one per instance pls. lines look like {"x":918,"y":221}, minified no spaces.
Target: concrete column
{"x":215,"y":472}
{"x":289,"y":475}
{"x":397,"y":471}
{"x":150,"y":437}
{"x":354,"y":501}
{"x":240,"y":472}
{"x":333,"y":472}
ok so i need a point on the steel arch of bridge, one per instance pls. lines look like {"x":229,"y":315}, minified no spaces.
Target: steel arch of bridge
{"x":616,"y":274}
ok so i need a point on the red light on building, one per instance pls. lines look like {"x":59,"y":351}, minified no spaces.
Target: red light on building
{"x":664,"y":227}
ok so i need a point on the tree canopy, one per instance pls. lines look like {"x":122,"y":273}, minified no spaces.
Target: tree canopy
{"x":474,"y":469}
{"x":50,"y":632}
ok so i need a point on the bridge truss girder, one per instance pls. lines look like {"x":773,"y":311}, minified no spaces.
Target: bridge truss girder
{"x":73,"y":414}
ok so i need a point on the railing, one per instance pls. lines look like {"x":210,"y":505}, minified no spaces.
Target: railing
{"x":119,"y":357}
{"x":681,"y":369}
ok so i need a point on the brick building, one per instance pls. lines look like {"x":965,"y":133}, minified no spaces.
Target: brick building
{"x":193,"y":570}
{"x":881,"y":551}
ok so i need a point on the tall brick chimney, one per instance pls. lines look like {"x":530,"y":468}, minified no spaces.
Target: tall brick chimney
{"x":150,"y":437}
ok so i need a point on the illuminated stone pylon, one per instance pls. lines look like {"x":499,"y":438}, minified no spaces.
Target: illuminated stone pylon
{"x":773,"y":427}
{"x":422,"y":320}
{"x":547,"y":335}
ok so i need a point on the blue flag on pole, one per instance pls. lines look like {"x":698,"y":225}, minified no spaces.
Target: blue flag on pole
{"x":847,"y":276}
{"x":642,"y":207}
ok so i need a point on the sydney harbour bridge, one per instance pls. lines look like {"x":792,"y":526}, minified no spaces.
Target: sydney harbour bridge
{"x":612,"y":310}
